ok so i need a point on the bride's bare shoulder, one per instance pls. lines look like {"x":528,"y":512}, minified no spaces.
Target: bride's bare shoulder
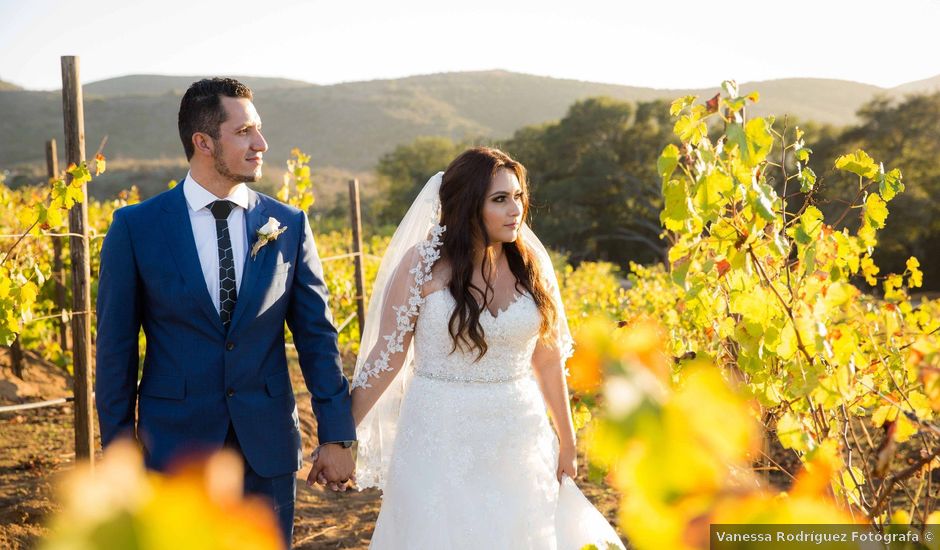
{"x":440,"y":276}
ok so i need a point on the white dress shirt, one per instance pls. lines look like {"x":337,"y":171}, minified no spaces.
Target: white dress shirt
{"x":203,"y":223}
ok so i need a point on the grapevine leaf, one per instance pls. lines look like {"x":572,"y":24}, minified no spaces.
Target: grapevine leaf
{"x":80,"y":174}
{"x":711,"y":106}
{"x":100,"y":164}
{"x":905,"y":429}
{"x":735,"y":104}
{"x":867,"y":235}
{"x":676,"y":107}
{"x":763,"y":200}
{"x":690,"y":128}
{"x":677,"y":210}
{"x":858,"y":163}
{"x":916,"y":278}
{"x":711,"y":194}
{"x":40,"y":278}
{"x":889,"y":184}
{"x":284,"y":192}
{"x":731,"y":88}
{"x":807,"y":179}
{"x":791,"y":433}
{"x":73,"y":195}
{"x":811,"y":222}
{"x":869,"y":270}
{"x":667,"y":161}
{"x":760,"y":139}
{"x":28,"y":293}
{"x":875,"y":211}
{"x":306,"y":202}
{"x":54,"y":217}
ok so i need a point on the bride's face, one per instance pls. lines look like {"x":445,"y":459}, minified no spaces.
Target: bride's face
{"x":503,"y":207}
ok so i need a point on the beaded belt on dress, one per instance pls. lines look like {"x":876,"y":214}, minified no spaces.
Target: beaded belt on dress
{"x":464,"y":380}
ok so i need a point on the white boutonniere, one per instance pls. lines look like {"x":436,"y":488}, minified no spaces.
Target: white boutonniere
{"x":266,"y":234}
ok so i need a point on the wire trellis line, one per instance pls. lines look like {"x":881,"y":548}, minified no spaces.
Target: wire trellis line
{"x":67,"y":314}
{"x":345,"y":323}
{"x":34,"y":236}
{"x":70,"y":399}
{"x":36,"y":405}
{"x":350,"y":255}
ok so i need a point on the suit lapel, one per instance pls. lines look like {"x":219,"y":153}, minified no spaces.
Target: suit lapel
{"x":182,"y":244}
{"x":254,"y":219}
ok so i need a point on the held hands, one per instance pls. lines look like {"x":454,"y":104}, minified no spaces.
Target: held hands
{"x":333,"y":467}
{"x":567,"y":462}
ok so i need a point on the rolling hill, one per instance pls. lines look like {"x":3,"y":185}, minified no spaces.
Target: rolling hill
{"x":8,"y":86}
{"x":351,"y":125}
{"x":142,"y":84}
{"x":926,"y":86}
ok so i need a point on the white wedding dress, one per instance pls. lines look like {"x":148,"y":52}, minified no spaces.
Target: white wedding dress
{"x":474,"y":458}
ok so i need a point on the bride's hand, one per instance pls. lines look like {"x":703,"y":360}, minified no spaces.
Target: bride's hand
{"x":567,"y":462}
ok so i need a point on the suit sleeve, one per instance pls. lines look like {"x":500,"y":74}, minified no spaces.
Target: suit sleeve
{"x":118,"y":311}
{"x":310,"y":322}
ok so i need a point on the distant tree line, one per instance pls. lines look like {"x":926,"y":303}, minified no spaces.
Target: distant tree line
{"x":906,"y":135}
{"x":596,"y":193}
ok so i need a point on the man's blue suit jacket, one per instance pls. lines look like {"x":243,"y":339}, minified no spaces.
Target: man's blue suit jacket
{"x":197,"y":376}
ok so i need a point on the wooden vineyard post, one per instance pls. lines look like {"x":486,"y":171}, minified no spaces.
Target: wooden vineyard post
{"x":356,"y":222}
{"x":58,"y":275}
{"x":74,"y":118}
{"x":16,"y":357}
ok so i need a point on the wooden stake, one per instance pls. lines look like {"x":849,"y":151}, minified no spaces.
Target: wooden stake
{"x":58,"y":270}
{"x":74,"y":118}
{"x":356,"y":222}
{"x":16,"y":358}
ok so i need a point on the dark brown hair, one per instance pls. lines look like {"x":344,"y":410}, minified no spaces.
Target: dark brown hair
{"x":201,"y":108}
{"x":463,"y":193}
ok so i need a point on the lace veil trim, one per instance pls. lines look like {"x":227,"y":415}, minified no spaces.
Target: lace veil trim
{"x":429,"y":252}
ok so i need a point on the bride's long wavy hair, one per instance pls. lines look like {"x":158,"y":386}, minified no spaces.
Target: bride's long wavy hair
{"x":463,"y":194}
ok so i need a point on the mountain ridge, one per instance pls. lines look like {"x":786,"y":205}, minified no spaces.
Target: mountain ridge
{"x":350,"y":125}
{"x":8,"y":86}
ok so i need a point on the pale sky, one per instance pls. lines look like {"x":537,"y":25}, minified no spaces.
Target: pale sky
{"x":660,"y":44}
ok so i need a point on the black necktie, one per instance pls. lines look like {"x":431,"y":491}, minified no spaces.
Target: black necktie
{"x":227,"y":296}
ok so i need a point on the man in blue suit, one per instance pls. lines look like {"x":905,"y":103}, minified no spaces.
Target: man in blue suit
{"x":211,"y":270}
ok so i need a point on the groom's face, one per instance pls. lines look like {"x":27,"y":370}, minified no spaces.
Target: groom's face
{"x":238,"y":152}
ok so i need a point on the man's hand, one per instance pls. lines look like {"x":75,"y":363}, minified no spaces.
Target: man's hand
{"x":333,"y":467}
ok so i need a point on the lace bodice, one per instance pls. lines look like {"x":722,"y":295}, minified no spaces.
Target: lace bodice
{"x":511,"y":336}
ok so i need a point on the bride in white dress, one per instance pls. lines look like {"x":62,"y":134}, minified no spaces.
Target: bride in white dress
{"x":462,"y":353}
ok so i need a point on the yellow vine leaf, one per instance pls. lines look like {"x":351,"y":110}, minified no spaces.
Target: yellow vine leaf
{"x":100,"y":164}
{"x":916,"y":278}
{"x":676,"y":107}
{"x":870,"y":270}
{"x":690,"y":128}
{"x":905,"y":429}
{"x":858,"y":163}
{"x":792,"y":434}
{"x":876,"y":212}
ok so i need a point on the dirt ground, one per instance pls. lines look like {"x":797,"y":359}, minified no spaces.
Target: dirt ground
{"x":37,"y":445}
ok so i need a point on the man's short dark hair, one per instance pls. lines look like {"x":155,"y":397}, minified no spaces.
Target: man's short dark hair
{"x":201,"y":108}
